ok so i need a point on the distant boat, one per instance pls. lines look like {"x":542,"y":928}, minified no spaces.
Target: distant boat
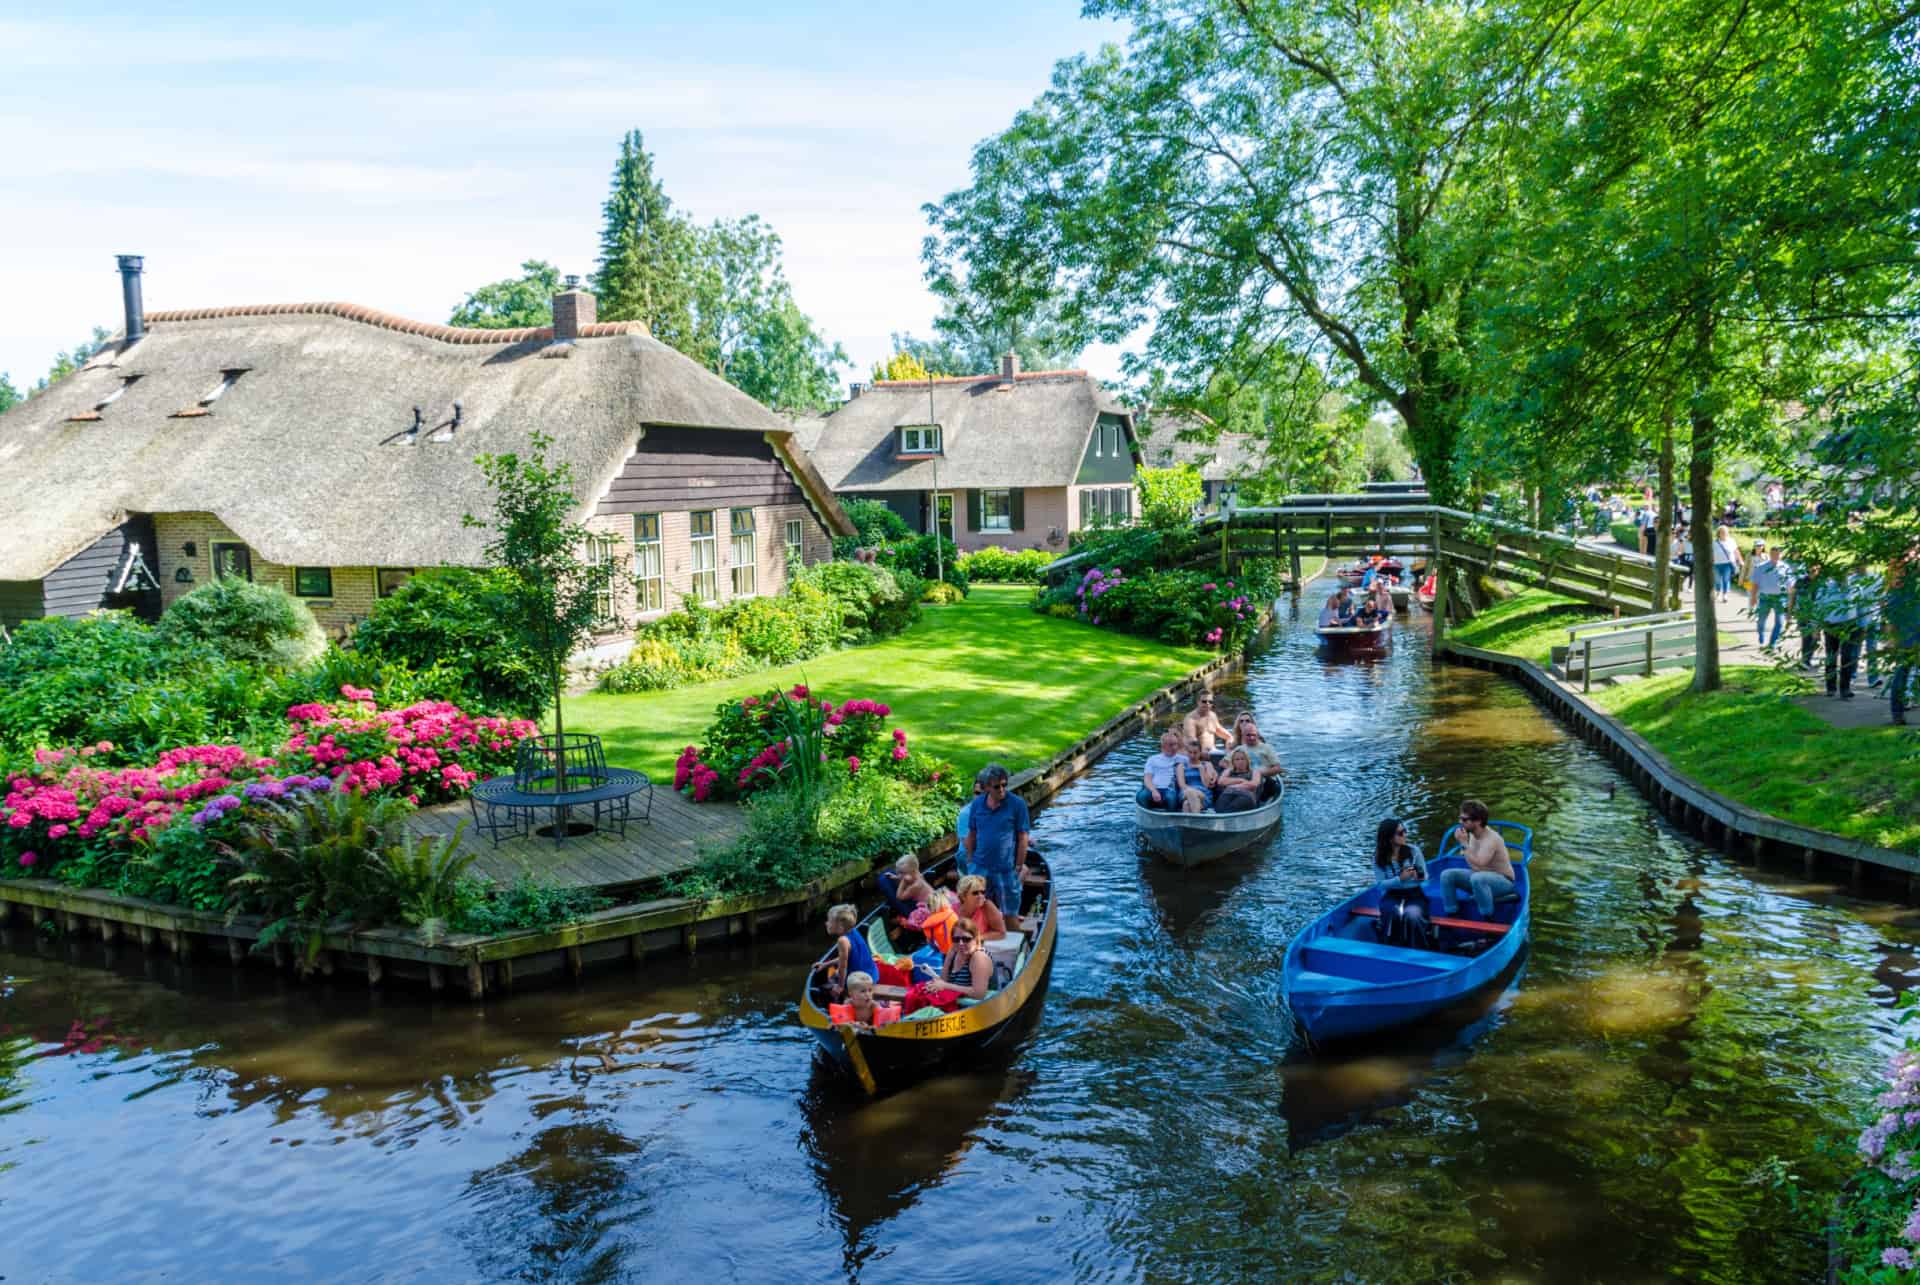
{"x":1356,"y":640}
{"x":1191,"y":838}
{"x":889,"y":1055}
{"x":1342,"y":981}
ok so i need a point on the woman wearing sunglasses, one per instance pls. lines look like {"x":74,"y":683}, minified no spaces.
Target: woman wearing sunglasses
{"x":966,"y":973}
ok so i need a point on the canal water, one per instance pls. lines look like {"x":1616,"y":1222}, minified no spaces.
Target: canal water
{"x":1684,"y":1031}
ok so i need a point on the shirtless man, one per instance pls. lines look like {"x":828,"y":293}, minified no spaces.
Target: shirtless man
{"x":1204,"y":726}
{"x":1489,"y":871}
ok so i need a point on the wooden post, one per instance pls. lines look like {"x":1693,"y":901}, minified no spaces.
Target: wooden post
{"x":1293,"y":551}
{"x":236,"y":951}
{"x":1438,"y":568}
{"x":376,"y":969}
{"x":436,"y":978}
{"x":476,"y":980}
{"x":1649,"y":651}
{"x":1809,"y":862}
{"x":575,"y":964}
{"x":503,"y":975}
{"x":1586,"y":667}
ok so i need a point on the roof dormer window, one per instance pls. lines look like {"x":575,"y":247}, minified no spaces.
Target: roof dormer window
{"x":205,"y":405}
{"x":126,"y":382}
{"x":920,"y":439}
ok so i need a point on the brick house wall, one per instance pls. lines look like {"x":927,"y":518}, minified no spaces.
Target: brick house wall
{"x":354,"y":588}
{"x":1046,"y":507}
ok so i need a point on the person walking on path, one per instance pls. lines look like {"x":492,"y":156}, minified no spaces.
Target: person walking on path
{"x":1840,"y":605}
{"x":1903,"y":622}
{"x":1772,"y":592}
{"x":997,"y":839}
{"x":1726,"y":556}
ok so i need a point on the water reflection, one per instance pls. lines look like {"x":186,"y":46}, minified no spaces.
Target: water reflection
{"x":1680,"y":1019}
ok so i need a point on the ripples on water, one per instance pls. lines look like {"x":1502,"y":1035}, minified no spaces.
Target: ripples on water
{"x":1679,"y":1020}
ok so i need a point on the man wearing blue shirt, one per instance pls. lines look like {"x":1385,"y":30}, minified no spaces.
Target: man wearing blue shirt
{"x":996,"y":842}
{"x":1772,"y":596}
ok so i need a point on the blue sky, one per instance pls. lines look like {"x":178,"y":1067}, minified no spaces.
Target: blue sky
{"x":399,"y":155}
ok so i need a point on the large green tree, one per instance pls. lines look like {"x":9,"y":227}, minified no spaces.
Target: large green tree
{"x":647,"y":253}
{"x":66,"y":363}
{"x":1252,"y":176}
{"x":749,"y":329}
{"x":525,"y":300}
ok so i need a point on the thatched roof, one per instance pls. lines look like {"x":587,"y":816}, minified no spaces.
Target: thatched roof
{"x":1030,"y":432}
{"x":305,"y":455}
{"x":1171,"y":438}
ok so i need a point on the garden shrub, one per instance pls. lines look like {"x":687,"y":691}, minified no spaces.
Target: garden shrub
{"x":937,"y":591}
{"x":870,"y":599}
{"x":315,"y":863}
{"x":258,"y":624}
{"x":1184,"y":608}
{"x":1005,"y":566}
{"x":526,"y":903}
{"x":918,"y":556}
{"x":875,"y":523}
{"x":451,"y":622}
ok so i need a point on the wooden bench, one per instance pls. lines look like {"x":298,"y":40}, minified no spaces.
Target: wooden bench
{"x":895,"y":993}
{"x":1444,"y":921}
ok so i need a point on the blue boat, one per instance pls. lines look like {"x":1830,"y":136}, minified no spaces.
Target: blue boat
{"x":1342,"y":981}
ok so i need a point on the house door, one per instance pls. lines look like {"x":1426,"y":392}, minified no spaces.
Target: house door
{"x":943,"y":508}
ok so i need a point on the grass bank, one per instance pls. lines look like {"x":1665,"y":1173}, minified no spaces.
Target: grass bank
{"x":1747,"y":741}
{"x":986,"y":678}
{"x":1751,"y":743}
{"x":1526,"y":625}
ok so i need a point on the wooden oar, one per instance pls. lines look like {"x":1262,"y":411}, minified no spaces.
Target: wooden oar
{"x":1471,"y":925}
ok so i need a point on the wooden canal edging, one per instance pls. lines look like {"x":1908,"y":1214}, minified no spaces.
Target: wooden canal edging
{"x":1736,"y":829}
{"x":477,"y":965}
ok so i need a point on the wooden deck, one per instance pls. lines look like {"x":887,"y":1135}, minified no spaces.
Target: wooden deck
{"x":671,"y":841}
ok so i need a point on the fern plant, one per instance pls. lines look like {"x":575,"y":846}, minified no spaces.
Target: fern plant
{"x":428,"y":880}
{"x":317,"y":865}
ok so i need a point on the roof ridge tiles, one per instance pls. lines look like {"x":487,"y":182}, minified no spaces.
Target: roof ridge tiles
{"x":392,"y":321}
{"x":992,"y":376}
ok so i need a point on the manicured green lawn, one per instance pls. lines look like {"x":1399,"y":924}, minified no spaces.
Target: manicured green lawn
{"x":983,"y":679}
{"x":1526,"y":625}
{"x":1749,"y":743}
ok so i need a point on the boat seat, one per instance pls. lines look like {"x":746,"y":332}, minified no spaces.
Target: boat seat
{"x":889,"y":992}
{"x":1328,"y":982}
{"x":1332,"y":945}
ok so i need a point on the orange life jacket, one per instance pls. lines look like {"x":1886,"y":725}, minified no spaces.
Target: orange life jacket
{"x":842,"y":1014}
{"x":938,"y":927}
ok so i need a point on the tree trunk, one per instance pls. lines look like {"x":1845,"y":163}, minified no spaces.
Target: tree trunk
{"x":1665,"y":593}
{"x":1706,"y":627}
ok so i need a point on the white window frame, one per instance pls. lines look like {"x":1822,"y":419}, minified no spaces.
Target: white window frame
{"x":602,"y":550}
{"x":920,"y":439}
{"x":796,"y":534}
{"x":1002,"y":523}
{"x":704,"y":555}
{"x":742,"y":554}
{"x":649,"y":564}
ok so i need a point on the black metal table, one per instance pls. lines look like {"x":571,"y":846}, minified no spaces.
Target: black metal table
{"x":614,"y":793}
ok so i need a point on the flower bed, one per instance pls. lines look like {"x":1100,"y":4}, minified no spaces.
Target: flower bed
{"x":127,"y":828}
{"x":824,"y":783}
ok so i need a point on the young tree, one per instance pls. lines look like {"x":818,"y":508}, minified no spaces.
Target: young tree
{"x":66,"y":363}
{"x":902,"y":365}
{"x":558,"y":595}
{"x":526,"y":300}
{"x":1169,"y":496}
{"x":9,"y":395}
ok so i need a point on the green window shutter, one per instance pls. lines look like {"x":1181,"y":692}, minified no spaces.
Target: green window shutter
{"x":1017,"y":499}
{"x":973,"y":510}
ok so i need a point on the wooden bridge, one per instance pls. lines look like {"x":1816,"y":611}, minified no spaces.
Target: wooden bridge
{"x":1411,"y":527}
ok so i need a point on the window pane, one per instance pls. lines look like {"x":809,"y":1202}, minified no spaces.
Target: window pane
{"x":232,"y":560}
{"x":794,"y":536}
{"x":706,"y":556}
{"x":313,"y":582}
{"x":996,"y":510}
{"x":742,"y":521}
{"x":391,"y":578}
{"x":742,"y":556}
{"x":649,"y":590}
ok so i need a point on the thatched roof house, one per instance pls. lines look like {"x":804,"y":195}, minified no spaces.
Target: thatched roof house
{"x":1170,"y":438}
{"x":1017,"y":459}
{"x":332,"y":442}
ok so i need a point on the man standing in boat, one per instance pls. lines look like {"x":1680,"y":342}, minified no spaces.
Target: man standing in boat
{"x":996,"y":842}
{"x":1204,"y":726}
{"x":1488,"y":874}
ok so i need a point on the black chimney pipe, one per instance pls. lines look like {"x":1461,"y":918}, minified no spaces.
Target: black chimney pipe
{"x":130,"y":295}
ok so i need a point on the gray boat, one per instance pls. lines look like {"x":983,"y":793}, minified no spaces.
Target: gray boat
{"x":1192,"y":838}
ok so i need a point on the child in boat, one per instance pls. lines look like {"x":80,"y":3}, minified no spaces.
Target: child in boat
{"x":860,"y":1008}
{"x":936,"y":917}
{"x":850,"y":951}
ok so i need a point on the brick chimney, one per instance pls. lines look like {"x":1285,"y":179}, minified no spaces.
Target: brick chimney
{"x":1009,"y":367}
{"x":574,"y":310}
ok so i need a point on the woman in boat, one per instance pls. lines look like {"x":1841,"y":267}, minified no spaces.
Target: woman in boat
{"x":1203,"y":778}
{"x":966,"y":973}
{"x":1165,"y":777}
{"x":1238,"y":786}
{"x":850,"y":953}
{"x":977,"y":908}
{"x":1396,"y":858}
